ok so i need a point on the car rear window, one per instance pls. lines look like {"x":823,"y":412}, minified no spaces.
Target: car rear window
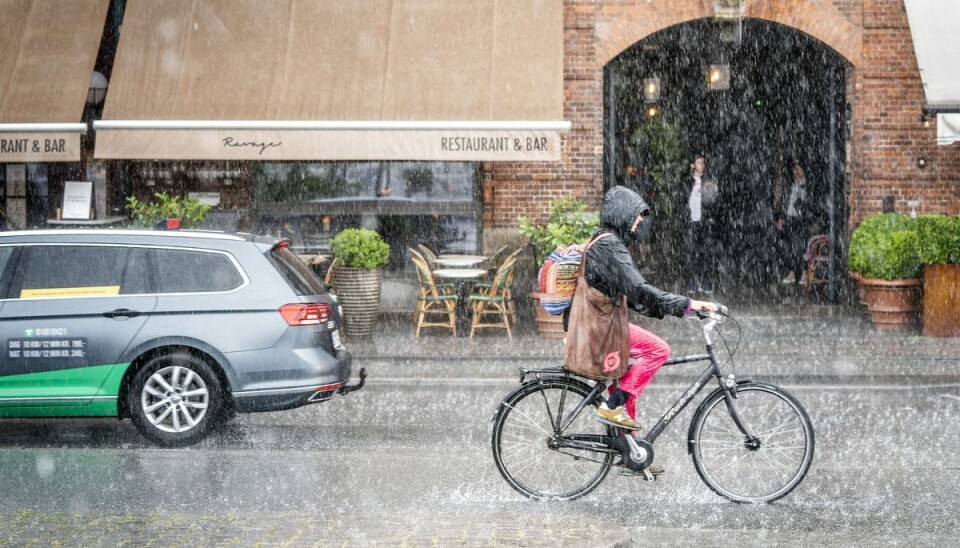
{"x":185,"y":271}
{"x":297,"y":274}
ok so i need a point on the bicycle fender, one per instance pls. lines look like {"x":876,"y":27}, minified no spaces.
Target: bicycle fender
{"x":525,"y":385}
{"x":703,"y":404}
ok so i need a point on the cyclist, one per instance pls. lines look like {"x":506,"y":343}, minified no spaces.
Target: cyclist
{"x":611,"y":270}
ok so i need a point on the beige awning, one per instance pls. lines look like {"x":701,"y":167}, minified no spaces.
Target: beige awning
{"x":936,"y":42}
{"x":47,"y":52}
{"x":336,"y":80}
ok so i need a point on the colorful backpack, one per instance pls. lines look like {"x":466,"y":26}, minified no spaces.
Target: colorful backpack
{"x":558,"y":278}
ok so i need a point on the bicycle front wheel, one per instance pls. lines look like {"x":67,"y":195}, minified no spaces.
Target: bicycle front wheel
{"x":536,"y":454}
{"x":760,"y":470}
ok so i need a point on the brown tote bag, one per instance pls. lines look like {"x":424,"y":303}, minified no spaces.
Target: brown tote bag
{"x":598,"y":338}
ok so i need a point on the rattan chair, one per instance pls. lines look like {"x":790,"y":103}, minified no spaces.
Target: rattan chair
{"x":429,"y":255}
{"x":495,"y":260}
{"x":329,"y":275}
{"x":433,"y":301}
{"x":508,"y":289}
{"x":486,"y":302}
{"x":817,"y":254}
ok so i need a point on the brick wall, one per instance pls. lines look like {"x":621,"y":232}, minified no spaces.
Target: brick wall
{"x":885,"y":93}
{"x":888,"y":136}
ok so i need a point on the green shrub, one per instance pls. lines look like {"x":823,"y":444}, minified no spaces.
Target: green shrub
{"x":939,"y":238}
{"x":359,"y":248}
{"x":885,"y":246}
{"x":569,"y":223}
{"x":147,"y":214}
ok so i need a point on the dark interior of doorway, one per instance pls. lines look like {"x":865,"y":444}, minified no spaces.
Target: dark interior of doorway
{"x":785,"y":103}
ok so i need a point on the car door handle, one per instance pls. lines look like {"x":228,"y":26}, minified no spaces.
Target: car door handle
{"x":122,"y":313}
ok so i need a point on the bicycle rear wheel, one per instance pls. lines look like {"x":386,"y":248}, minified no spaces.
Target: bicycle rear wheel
{"x":533,"y":458}
{"x":745,"y":471}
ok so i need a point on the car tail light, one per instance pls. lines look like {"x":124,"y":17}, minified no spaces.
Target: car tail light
{"x":305,"y":314}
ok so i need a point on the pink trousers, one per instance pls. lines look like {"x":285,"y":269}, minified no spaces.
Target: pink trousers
{"x":649,"y":351}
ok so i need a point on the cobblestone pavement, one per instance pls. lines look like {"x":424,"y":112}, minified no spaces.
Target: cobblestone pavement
{"x":30,"y":528}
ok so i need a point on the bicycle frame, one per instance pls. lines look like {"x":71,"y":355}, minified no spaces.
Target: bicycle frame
{"x":615,"y":444}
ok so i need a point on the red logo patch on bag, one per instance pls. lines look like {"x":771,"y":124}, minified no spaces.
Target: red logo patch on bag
{"x":611,"y":362}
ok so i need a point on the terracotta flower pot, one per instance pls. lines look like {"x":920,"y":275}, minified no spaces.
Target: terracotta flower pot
{"x":894,"y":305}
{"x":359,"y":292}
{"x":548,"y":325}
{"x":858,"y":287}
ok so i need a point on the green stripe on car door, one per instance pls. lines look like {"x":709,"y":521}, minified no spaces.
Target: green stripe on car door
{"x":97,"y":380}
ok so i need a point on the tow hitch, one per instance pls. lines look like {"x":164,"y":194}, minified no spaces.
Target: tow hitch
{"x":346,"y":389}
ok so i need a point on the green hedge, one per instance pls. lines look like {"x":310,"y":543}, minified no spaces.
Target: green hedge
{"x":939,"y":238}
{"x":885,"y":246}
{"x":147,"y":214}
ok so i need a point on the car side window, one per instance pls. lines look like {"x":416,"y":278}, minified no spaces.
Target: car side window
{"x":185,"y":271}
{"x":69,"y":271}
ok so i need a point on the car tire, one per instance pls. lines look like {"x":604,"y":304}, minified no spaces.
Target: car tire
{"x":175,"y":399}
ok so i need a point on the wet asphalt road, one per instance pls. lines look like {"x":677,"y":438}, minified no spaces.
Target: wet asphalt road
{"x":408,"y":461}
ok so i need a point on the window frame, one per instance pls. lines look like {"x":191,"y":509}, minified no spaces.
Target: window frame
{"x":13,"y":279}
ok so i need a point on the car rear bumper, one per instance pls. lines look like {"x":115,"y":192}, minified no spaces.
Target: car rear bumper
{"x":327,"y":377}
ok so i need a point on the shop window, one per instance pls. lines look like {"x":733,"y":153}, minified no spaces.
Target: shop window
{"x":435,"y":203}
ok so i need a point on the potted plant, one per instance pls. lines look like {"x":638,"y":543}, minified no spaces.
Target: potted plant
{"x":569,"y":222}
{"x":147,"y":214}
{"x":939,"y":241}
{"x":884,"y":252}
{"x":357,"y":277}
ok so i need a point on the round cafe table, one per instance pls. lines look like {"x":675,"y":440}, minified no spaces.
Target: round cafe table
{"x":461,"y":276}
{"x":459,"y":261}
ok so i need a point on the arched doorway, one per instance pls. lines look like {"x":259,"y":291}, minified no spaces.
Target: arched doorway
{"x":778,"y":97}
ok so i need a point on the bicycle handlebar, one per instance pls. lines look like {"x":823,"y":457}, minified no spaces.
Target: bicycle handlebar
{"x":718,"y":315}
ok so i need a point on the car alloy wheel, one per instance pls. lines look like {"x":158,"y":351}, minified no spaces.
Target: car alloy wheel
{"x":175,"y":399}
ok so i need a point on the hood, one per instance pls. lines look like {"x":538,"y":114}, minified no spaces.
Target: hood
{"x":620,"y":209}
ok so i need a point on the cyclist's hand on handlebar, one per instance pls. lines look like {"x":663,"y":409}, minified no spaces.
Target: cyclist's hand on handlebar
{"x":703,"y":306}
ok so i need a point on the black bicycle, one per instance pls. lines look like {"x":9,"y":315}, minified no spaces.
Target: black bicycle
{"x":750,"y":441}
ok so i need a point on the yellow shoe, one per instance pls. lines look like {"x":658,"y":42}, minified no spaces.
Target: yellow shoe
{"x":617,"y":416}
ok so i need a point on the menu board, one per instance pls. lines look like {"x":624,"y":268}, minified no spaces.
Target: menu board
{"x":77,"y":198}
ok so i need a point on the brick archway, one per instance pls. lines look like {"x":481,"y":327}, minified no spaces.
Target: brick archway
{"x":621,"y":26}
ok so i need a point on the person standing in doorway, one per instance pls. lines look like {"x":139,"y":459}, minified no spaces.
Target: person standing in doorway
{"x":792,"y":225}
{"x":702,"y":195}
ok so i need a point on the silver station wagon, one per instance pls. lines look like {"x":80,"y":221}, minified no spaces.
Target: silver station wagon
{"x":175,"y":330}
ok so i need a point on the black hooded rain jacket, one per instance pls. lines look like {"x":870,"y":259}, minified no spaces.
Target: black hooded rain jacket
{"x":611,"y":270}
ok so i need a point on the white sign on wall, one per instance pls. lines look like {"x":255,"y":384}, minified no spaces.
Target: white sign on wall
{"x":77,"y":198}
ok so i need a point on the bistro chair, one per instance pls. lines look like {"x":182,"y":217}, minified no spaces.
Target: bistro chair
{"x":817,"y":254}
{"x":429,"y":255}
{"x":491,"y":302}
{"x":328,"y":277}
{"x":507,"y":291}
{"x":433,"y":301}
{"x":421,"y":292}
{"x":495,"y":260}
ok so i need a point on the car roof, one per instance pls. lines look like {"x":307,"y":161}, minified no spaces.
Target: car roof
{"x":130,"y":235}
